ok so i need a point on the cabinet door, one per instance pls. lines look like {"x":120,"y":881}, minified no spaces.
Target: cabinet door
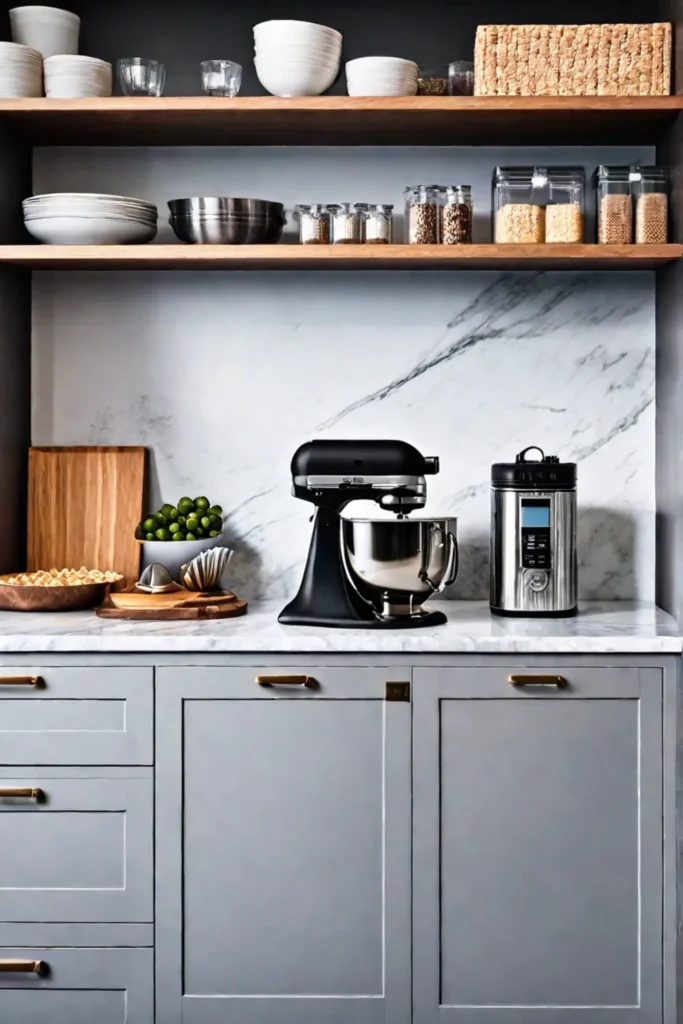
{"x":283,"y":849}
{"x":80,"y":852}
{"x":77,"y":986}
{"x":537,"y":848}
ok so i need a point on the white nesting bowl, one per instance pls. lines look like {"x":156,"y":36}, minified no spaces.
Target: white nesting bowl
{"x":174,"y":554}
{"x":383,"y":63}
{"x":21,"y":71}
{"x":50,"y":30}
{"x":295,"y":80}
{"x":289,"y":31}
{"x":76,"y":76}
{"x":90,"y":231}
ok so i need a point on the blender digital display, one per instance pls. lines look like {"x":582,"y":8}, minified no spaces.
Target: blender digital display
{"x":535,"y":521}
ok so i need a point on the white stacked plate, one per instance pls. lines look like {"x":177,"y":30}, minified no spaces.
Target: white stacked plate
{"x":49,"y":30}
{"x":88,"y":218}
{"x":71,"y":76}
{"x":296,"y":58}
{"x":21,"y":71}
{"x":381,"y":76}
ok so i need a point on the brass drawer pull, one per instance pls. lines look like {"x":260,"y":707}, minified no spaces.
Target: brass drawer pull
{"x":559,"y":681}
{"x":22,"y":966}
{"x":26,"y":794}
{"x":21,"y":681}
{"x":306,"y":681}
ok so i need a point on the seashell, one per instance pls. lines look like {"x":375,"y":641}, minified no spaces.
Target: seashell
{"x":206,"y":570}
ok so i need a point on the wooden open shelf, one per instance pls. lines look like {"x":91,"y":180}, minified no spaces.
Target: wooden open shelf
{"x":340,"y":257}
{"x":342,"y":120}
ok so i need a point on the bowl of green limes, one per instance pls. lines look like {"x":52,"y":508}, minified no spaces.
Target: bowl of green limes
{"x":176,"y":534}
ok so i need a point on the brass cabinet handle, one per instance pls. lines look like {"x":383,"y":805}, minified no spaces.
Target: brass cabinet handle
{"x":18,"y":793}
{"x":21,"y":681}
{"x":306,"y":681}
{"x":21,"y":966}
{"x":559,"y":681}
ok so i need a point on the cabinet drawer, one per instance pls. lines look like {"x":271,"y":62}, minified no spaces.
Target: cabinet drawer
{"x":76,"y":716}
{"x":77,"y":986}
{"x":519,"y":682}
{"x":79,"y":850}
{"x":289,"y":683}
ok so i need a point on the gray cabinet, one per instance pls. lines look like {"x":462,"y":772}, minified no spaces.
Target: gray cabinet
{"x":283,"y":849}
{"x":537,"y":859}
{"x":80,"y":852}
{"x":76,"y":986}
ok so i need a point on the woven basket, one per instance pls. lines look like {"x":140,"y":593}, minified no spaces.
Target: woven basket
{"x":573,"y":60}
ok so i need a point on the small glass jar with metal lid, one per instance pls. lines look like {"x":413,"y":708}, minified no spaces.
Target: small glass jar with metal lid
{"x":422,"y":214}
{"x":650,"y":191}
{"x":564,"y":213}
{"x":345,"y":224}
{"x":379,"y":224}
{"x":455,"y":214}
{"x":520,"y":196}
{"x":615,"y":205}
{"x":314,"y":224}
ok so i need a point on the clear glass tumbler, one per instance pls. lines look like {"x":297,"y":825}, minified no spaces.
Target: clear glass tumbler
{"x":139,"y":76}
{"x":221,"y":77}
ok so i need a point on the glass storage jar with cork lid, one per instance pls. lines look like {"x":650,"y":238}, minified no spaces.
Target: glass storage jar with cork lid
{"x":455,"y":215}
{"x":650,"y":191}
{"x":564,"y":212}
{"x":422,"y":214}
{"x":615,"y":205}
{"x":520,"y":196}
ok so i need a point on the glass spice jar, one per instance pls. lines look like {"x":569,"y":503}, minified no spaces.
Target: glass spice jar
{"x":615,"y":205}
{"x":455,"y":215}
{"x":314,"y":224}
{"x":422,"y":214}
{"x":345,"y":224}
{"x":650,"y":190}
{"x":432,"y":82}
{"x":361,"y":211}
{"x":461,"y":78}
{"x":379,"y":224}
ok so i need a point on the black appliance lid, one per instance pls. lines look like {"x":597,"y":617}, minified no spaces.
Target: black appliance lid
{"x":545,"y":473}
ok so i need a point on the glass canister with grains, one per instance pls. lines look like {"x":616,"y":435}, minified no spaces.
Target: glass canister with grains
{"x":533,"y":205}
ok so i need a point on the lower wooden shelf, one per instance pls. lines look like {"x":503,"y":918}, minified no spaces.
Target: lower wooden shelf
{"x":340,"y":257}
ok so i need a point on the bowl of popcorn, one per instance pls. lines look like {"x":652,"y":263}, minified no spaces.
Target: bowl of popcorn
{"x":56,"y":590}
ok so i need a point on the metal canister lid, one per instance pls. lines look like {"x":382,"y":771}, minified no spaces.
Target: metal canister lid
{"x":546,"y":473}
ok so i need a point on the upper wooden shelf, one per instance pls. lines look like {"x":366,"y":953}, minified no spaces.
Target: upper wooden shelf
{"x":342,"y":120}
{"x":340,"y":257}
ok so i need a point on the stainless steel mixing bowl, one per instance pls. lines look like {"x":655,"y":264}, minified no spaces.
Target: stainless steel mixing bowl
{"x":396,"y":564}
{"x":224,"y":221}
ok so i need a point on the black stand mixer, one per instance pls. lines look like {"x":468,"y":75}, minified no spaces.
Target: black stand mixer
{"x":370,"y":574}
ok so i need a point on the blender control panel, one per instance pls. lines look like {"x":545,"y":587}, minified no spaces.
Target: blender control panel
{"x":535,"y":540}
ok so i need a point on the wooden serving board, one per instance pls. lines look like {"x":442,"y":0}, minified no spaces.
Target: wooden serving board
{"x":83,"y":507}
{"x":179,"y":604}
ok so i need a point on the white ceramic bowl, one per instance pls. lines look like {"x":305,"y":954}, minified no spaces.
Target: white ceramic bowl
{"x":48,"y":29}
{"x":295,"y":81}
{"x":90,"y":230}
{"x":173,"y":554}
{"x":275,"y":51}
{"x":383,"y":63}
{"x":287,"y":30}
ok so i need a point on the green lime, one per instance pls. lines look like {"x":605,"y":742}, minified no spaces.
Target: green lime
{"x":166,"y":511}
{"x":206,"y":522}
{"x":150,"y":536}
{"x":181,"y":520}
{"x":162,"y":533}
{"x":185,"y":505}
{"x":159,"y":518}
{"x":214,"y":533}
{"x":174,"y":513}
{"x":178,"y":536}
{"x":174,"y":528}
{"x":149,"y":524}
{"x":202,"y":502}
{"x":189,"y":536}
{"x":215,"y":521}
{"x":192,"y":523}
{"x":215,"y":510}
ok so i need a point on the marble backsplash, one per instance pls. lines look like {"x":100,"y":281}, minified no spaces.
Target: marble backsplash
{"x":223,"y":377}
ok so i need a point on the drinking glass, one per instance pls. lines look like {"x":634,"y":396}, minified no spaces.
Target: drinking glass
{"x":221,"y":77}
{"x":139,"y":76}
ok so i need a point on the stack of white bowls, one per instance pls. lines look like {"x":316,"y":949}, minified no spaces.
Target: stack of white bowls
{"x":47,"y":29}
{"x":381,"y":76}
{"x":296,"y":58}
{"x":21,"y":71}
{"x":88,"y":218}
{"x":72,"y":76}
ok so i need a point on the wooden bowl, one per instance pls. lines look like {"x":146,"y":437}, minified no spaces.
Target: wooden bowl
{"x":50,"y":599}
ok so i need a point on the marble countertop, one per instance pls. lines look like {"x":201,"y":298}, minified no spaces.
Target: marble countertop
{"x":622,"y":627}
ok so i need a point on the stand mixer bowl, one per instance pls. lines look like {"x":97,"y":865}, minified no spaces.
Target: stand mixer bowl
{"x":396,"y":564}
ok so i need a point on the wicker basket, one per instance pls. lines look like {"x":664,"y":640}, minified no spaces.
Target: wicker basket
{"x":573,"y":60}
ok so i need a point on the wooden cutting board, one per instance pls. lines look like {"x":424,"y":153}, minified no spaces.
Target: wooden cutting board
{"x":83,"y":507}
{"x":179,"y":604}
